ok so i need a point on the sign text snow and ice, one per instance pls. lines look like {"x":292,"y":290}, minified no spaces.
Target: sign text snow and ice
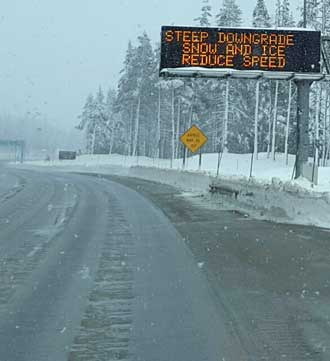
{"x":241,"y":49}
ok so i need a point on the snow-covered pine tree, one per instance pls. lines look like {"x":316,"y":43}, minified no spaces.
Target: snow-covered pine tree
{"x":230,"y":14}
{"x":325,"y":17}
{"x":100,"y":138}
{"x":278,"y":13}
{"x":205,"y":18}
{"x":146,"y":95}
{"x":114,"y":129}
{"x":261,"y":18}
{"x":87,"y":123}
{"x":241,"y":116}
{"x":287,"y":17}
{"x":126,"y":95}
{"x":313,"y":14}
{"x":283,"y":15}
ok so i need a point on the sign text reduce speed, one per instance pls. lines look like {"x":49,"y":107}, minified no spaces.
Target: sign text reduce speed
{"x":241,"y":49}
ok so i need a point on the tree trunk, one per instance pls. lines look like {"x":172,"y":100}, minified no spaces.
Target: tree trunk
{"x":93,"y":140}
{"x":328,"y":129}
{"x":286,"y":152}
{"x":275,"y":120}
{"x":269,"y":125}
{"x":256,"y":115}
{"x":225,"y":125}
{"x":173,"y":122}
{"x":158,"y":120}
{"x":178,"y":129}
{"x":317,"y":122}
{"x":325,"y":127}
{"x":136,"y":130}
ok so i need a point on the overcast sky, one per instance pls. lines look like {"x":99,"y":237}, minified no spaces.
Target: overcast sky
{"x":53,"y":53}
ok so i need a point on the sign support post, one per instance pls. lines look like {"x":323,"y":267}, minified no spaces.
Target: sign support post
{"x":184,"y":158}
{"x":193,"y":139}
{"x":303,"y":90}
{"x":220,"y":152}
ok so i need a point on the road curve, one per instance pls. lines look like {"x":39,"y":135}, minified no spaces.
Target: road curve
{"x":92,"y":270}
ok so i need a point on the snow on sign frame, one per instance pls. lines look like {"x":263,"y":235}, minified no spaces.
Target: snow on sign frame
{"x":188,"y":50}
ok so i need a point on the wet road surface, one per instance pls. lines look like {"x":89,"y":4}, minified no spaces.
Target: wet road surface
{"x":113,"y":268}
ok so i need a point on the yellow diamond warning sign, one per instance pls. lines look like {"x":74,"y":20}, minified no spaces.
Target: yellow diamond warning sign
{"x":193,"y":139}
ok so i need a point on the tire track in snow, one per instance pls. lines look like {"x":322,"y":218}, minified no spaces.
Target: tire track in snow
{"x":105,"y":327}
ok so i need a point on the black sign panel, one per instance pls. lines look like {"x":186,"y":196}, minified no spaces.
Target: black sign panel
{"x":241,"y":49}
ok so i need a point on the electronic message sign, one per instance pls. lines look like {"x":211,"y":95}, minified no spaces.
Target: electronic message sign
{"x":241,"y":49}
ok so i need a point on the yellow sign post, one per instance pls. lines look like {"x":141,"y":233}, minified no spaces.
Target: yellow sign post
{"x":193,"y":139}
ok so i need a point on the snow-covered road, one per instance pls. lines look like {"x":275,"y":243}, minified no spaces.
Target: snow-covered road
{"x":115,"y":268}
{"x":91,"y":270}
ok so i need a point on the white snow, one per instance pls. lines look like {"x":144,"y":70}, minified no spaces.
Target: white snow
{"x":233,"y":166}
{"x":269,"y":193}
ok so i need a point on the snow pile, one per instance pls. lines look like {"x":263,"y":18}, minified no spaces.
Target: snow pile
{"x":186,"y":181}
{"x":269,"y":193}
{"x":236,"y":166}
{"x":289,"y":202}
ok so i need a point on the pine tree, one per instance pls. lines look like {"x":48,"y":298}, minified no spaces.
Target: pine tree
{"x":313,"y":14}
{"x":125,"y":101}
{"x":230,"y":15}
{"x":87,"y":123}
{"x":100,"y":143}
{"x":278,"y":13}
{"x":287,"y":17}
{"x":146,"y":95}
{"x":205,"y":17}
{"x":261,"y":18}
{"x":113,"y":125}
{"x":283,"y":16}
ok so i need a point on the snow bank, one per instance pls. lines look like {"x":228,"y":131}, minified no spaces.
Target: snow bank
{"x":233,"y":165}
{"x":186,"y":181}
{"x":269,"y":194}
{"x":278,"y":201}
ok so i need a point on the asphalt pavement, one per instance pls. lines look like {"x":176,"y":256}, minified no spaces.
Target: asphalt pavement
{"x":115,"y":268}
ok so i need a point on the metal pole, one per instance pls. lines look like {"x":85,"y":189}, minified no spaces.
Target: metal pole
{"x":303,"y":90}
{"x":184,"y":158}
{"x":158,"y":119}
{"x":219,"y":159}
{"x":173,"y":122}
{"x":256,"y":114}
{"x":305,"y":14}
{"x":314,"y":164}
{"x":294,"y":169}
{"x":200,"y":160}
{"x":317,"y":122}
{"x":251,"y":165}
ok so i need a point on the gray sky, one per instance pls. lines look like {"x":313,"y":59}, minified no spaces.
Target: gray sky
{"x":53,"y":53}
